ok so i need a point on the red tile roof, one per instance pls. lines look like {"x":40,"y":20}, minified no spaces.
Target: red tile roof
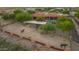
{"x":46,"y":14}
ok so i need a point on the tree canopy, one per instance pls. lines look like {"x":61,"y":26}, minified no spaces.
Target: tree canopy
{"x":18,"y":11}
{"x":66,"y":10}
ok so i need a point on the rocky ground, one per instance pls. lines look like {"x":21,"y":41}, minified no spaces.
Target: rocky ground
{"x":16,"y":28}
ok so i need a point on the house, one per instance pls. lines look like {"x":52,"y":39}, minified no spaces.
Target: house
{"x":46,"y":15}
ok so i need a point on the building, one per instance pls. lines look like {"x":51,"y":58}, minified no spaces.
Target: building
{"x":46,"y":15}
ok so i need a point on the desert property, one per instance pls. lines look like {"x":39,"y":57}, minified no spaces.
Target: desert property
{"x":39,"y":29}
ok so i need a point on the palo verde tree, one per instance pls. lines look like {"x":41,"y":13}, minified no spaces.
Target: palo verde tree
{"x":23,"y":16}
{"x":65,"y":10}
{"x":65,"y":24}
{"x":18,"y":11}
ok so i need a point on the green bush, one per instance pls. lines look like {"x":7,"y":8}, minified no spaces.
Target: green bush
{"x":65,"y":24}
{"x":47,"y":27}
{"x":31,"y":12}
{"x":5,"y":16}
{"x":18,"y":15}
{"x":12,"y":16}
{"x":8,"y":16}
{"x":23,"y":17}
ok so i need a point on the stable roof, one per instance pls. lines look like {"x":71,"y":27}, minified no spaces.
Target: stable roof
{"x":46,"y":14}
{"x":35,"y":22}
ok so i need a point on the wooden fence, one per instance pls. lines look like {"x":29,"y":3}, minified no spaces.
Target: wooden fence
{"x":43,"y":44}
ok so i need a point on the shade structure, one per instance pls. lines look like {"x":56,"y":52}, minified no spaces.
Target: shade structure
{"x":35,"y":22}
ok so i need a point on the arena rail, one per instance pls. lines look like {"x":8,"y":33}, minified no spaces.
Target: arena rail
{"x":44,"y":44}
